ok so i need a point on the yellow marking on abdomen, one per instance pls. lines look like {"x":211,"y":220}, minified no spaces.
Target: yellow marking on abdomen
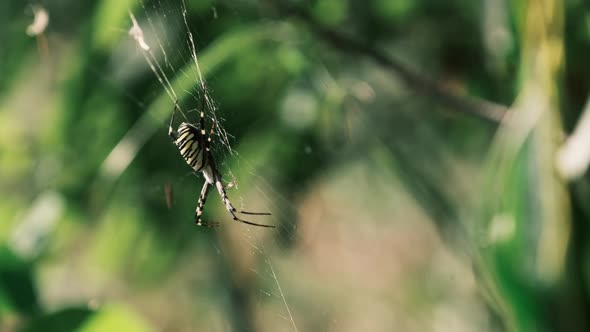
{"x":186,"y":147}
{"x":183,"y":137}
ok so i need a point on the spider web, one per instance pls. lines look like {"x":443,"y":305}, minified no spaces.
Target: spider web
{"x":153,"y":47}
{"x":161,"y":74}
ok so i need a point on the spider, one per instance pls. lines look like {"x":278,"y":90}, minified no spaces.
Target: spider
{"x":190,"y":142}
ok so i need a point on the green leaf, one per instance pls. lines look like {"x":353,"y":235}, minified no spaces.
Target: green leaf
{"x":17,"y":290}
{"x":69,"y":319}
{"x":115,"y":318}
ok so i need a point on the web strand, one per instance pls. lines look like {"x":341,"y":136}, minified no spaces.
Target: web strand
{"x":137,"y":33}
{"x":209,"y":102}
{"x":278,"y":284}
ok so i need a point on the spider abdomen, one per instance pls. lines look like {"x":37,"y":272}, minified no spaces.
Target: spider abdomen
{"x":189,"y":143}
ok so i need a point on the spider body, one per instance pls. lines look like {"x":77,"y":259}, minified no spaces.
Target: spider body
{"x":190,"y":143}
{"x":194,"y":147}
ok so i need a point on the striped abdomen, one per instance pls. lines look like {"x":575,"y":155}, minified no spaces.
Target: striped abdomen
{"x":190,"y":143}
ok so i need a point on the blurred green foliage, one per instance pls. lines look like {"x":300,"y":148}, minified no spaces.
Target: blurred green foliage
{"x":89,"y":243}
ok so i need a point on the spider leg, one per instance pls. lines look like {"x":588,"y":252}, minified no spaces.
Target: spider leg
{"x":255,"y":213}
{"x":253,"y":223}
{"x":217,"y":179}
{"x":171,"y":132}
{"x":202,"y":123}
{"x":203,"y":136}
{"x":232,"y":210}
{"x":200,"y":204}
{"x":211,"y":132}
{"x":202,"y":118}
{"x":231,"y":185}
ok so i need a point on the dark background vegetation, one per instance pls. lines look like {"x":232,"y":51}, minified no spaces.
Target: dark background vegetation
{"x":406,"y":150}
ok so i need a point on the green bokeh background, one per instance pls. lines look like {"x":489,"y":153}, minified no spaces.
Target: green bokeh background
{"x":395,"y":209}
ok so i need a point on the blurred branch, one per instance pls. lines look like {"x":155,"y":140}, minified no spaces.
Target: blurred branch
{"x":424,"y":85}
